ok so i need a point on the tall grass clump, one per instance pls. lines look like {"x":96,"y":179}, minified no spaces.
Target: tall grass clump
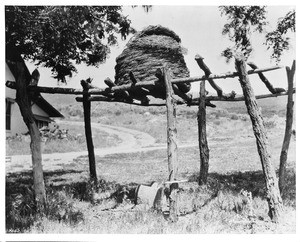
{"x":21,"y":210}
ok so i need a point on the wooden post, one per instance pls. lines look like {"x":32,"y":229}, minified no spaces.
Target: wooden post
{"x":288,"y":127}
{"x":273,"y":194}
{"x":203,"y":146}
{"x":88,"y":131}
{"x":172,"y":144}
{"x":23,"y":99}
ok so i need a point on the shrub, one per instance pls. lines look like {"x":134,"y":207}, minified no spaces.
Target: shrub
{"x":60,"y":208}
{"x":217,"y":122}
{"x":20,"y":210}
{"x":118,"y":113}
{"x":234,"y":116}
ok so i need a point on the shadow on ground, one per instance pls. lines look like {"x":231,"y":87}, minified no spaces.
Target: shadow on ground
{"x":251,"y":181}
{"x":64,"y":187}
{"x":62,"y":191}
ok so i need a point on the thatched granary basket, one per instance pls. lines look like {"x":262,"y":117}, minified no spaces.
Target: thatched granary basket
{"x":147,"y":51}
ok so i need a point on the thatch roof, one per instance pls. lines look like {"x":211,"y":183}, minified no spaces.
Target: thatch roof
{"x":146,"y":51}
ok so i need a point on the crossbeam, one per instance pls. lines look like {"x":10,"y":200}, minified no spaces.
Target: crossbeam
{"x":223,"y":75}
{"x":193,"y":102}
{"x":241,"y":97}
{"x":103,"y":91}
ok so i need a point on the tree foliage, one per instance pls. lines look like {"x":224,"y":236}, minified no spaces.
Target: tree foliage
{"x":278,"y":39}
{"x":58,"y":37}
{"x":242,"y":20}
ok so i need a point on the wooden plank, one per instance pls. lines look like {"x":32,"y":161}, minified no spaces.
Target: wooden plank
{"x":273,"y":194}
{"x":202,"y":138}
{"x":172,"y":145}
{"x":288,"y":127}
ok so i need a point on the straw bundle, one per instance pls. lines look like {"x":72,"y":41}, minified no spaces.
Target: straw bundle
{"x":147,"y":51}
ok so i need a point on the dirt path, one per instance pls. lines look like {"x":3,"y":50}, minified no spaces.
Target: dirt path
{"x":131,"y":141}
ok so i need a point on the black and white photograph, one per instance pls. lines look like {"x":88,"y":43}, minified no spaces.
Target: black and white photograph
{"x":149,"y":119}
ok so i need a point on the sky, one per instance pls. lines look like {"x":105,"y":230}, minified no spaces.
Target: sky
{"x":200,"y":29}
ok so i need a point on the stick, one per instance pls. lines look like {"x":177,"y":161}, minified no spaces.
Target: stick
{"x":207,"y":72}
{"x":266,"y":81}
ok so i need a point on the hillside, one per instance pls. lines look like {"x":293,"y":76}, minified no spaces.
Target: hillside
{"x":67,"y":103}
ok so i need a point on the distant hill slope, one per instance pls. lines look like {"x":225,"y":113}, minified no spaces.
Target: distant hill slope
{"x":57,"y":100}
{"x":270,"y":106}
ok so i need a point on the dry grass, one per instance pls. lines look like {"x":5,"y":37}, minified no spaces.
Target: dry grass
{"x":77,"y":206}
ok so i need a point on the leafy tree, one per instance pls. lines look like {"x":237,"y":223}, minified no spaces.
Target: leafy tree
{"x":58,"y":37}
{"x":278,"y":39}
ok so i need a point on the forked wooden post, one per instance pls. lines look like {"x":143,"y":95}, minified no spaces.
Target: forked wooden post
{"x":203,"y":146}
{"x":203,"y":66}
{"x":273,"y":194}
{"x":172,"y":144}
{"x":88,"y":130}
{"x":288,"y":128}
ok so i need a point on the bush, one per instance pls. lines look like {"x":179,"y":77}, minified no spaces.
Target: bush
{"x":234,"y":116}
{"x":118,"y":113}
{"x":60,"y":208}
{"x":20,"y":210}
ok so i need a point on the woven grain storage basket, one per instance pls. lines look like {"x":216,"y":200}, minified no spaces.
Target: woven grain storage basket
{"x":147,"y":51}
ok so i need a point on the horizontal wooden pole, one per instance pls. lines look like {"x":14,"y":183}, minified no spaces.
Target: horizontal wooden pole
{"x":93,"y":91}
{"x":222,"y":76}
{"x":241,"y":97}
{"x":193,"y":102}
{"x":51,"y":90}
{"x":103,"y":91}
{"x":105,"y":99}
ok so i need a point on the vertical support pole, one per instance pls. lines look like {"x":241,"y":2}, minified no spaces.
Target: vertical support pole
{"x":88,"y":131}
{"x":273,"y":194}
{"x":172,"y":144}
{"x":23,"y":99}
{"x":202,"y":138}
{"x":288,"y":127}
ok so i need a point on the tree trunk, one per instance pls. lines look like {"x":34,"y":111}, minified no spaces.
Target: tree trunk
{"x":203,"y":146}
{"x":172,"y":145}
{"x":273,"y":194}
{"x":23,"y":100}
{"x":88,"y":133}
{"x":288,"y":127}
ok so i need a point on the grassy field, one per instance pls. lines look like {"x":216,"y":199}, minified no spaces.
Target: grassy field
{"x":77,"y":206}
{"x":77,"y":142}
